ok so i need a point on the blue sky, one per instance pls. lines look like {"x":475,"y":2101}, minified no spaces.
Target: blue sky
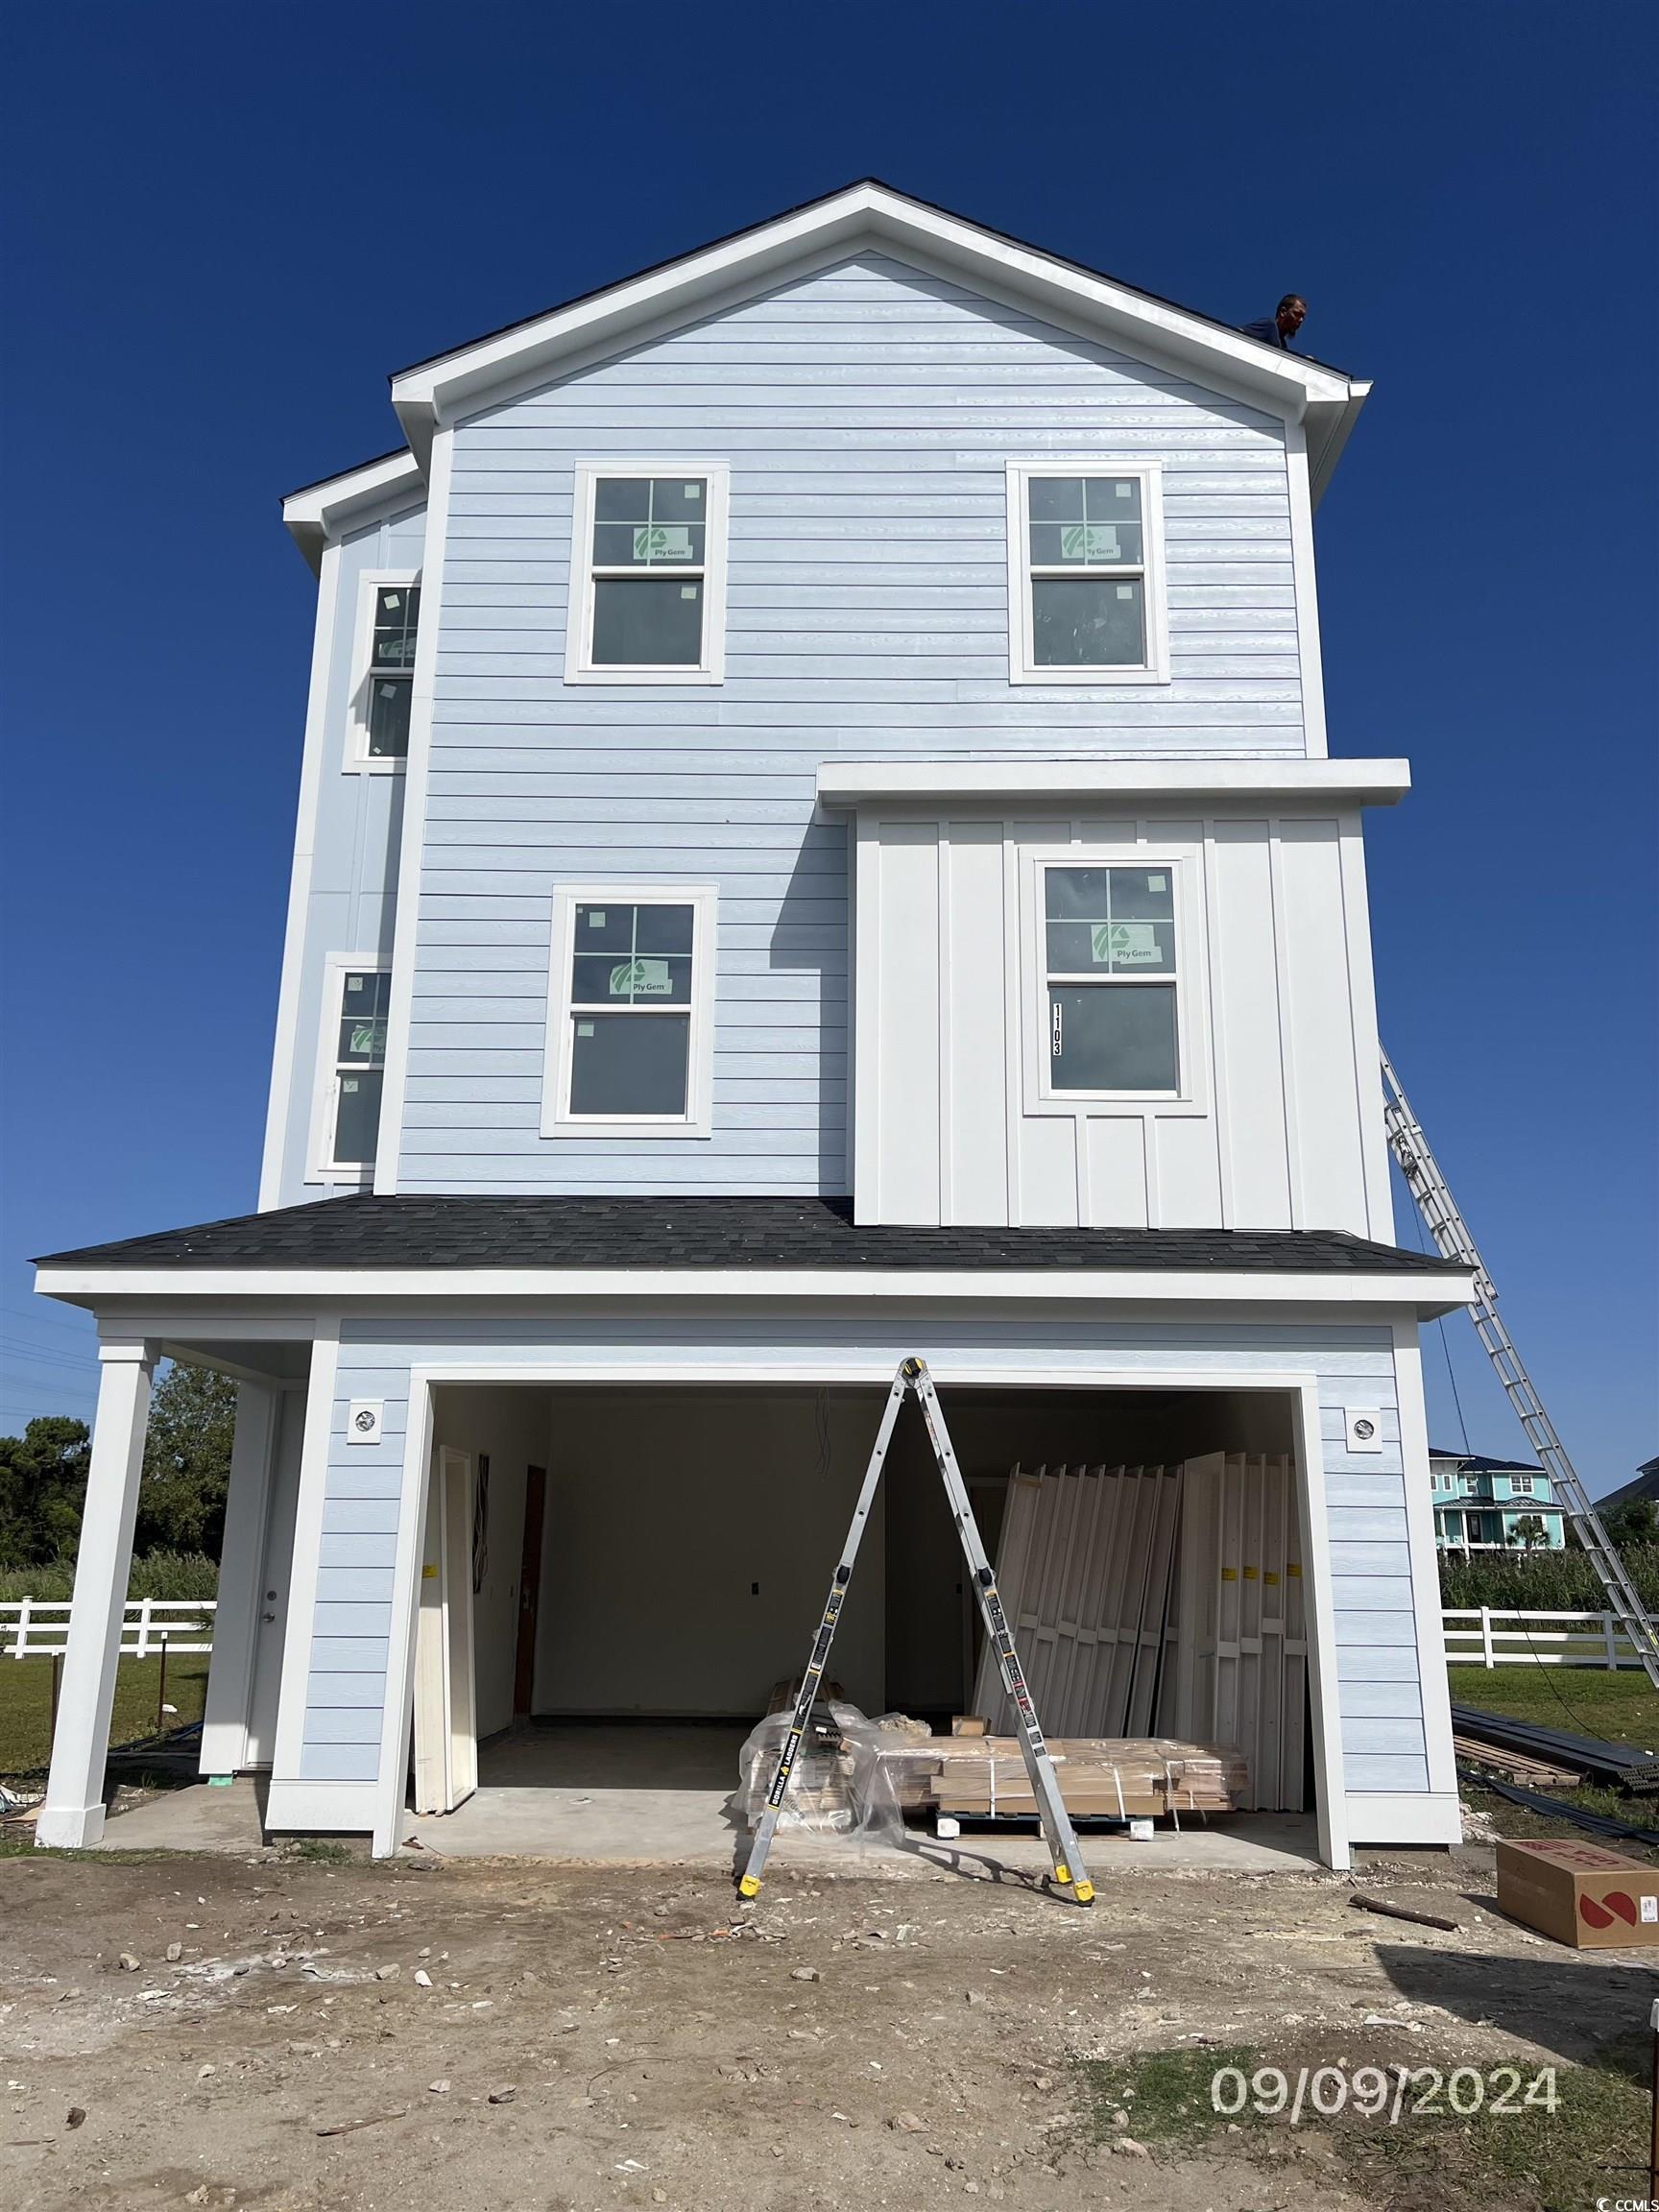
{"x":223,"y":226}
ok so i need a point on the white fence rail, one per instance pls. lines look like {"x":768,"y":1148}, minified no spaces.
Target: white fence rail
{"x":39,"y":1627}
{"x":1481,"y":1636}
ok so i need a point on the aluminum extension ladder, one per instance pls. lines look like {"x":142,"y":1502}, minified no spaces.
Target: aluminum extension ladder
{"x":914,"y":1380}
{"x":1451,"y":1234}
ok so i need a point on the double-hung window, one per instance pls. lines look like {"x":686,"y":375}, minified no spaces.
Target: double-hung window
{"x":1110,"y":977}
{"x":647,"y":593}
{"x":629,"y":1039}
{"x":1086,"y":573}
{"x":383,"y":679}
{"x":355,"y":1007}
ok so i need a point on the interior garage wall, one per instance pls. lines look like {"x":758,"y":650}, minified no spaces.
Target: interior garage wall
{"x":509,"y":1427}
{"x":690,"y":1536}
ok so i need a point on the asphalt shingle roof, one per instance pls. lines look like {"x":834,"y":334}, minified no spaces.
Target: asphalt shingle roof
{"x":449,"y":1232}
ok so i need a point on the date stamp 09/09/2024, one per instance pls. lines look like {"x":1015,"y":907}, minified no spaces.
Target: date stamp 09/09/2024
{"x":1387,"y":2093}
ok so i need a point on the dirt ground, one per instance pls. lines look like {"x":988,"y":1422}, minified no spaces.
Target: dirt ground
{"x":513,"y":2036}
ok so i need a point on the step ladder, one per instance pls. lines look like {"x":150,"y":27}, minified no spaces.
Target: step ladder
{"x":914,"y":1380}
{"x":1451,"y":1234}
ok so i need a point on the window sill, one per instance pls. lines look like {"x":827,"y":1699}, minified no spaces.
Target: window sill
{"x":627,"y":1125}
{"x":1088,"y":679}
{"x":1104,"y":1105}
{"x":354,"y":1178}
{"x":363,"y":766}
{"x":705,"y":676}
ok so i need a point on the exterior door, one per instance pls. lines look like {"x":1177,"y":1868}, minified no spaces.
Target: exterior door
{"x":529,"y":1590}
{"x":445,"y":1719}
{"x":276,"y":1565}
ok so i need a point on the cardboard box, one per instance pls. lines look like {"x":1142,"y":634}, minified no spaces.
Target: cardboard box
{"x":1580,"y":1893}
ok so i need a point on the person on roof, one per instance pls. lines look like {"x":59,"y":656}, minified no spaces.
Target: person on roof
{"x":1288,"y":318}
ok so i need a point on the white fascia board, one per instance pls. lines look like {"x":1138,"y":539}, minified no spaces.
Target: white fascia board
{"x":437,"y":391}
{"x":1328,"y":428}
{"x":843,"y":783}
{"x":1427,"y":1295}
{"x":321,"y":514}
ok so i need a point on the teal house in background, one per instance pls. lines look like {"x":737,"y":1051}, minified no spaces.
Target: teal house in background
{"x":1493,"y":1505}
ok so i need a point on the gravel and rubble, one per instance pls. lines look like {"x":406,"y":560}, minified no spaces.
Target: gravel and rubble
{"x":297,"y":2035}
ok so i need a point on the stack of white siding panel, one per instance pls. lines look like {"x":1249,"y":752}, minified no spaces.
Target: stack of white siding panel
{"x":1084,"y":1568}
{"x":1239,"y":1644}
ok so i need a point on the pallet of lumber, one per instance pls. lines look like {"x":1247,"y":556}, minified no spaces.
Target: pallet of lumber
{"x":984,"y":1777}
{"x":1515,"y":1766}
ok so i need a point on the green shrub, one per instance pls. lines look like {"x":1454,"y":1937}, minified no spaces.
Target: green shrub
{"x":183,"y":1574}
{"x":1543,"y":1581}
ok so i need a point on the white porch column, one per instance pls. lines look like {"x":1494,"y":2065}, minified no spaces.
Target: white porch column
{"x":73,"y":1814}
{"x":241,"y":1574}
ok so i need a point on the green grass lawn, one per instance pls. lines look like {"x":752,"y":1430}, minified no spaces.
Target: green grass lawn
{"x":1621,"y":1708}
{"x":26,"y":1705}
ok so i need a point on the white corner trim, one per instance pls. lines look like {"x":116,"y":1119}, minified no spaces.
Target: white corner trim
{"x":320,"y":514}
{"x":1287,"y":782}
{"x":1367,"y":1045}
{"x":1324,"y":1680}
{"x":579,"y":665}
{"x":388,"y":1152}
{"x":398,"y":1711}
{"x":357,"y":760}
{"x":288,"y":1749}
{"x":320,"y":1166}
{"x":1152,"y":567}
{"x":279,"y":1106}
{"x":698,"y":1118}
{"x":1304,"y":584}
{"x":1425,"y":1560}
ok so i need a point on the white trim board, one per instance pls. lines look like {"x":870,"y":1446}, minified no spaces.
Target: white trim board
{"x":319,"y":515}
{"x":1428,"y":1295}
{"x":321,"y":1121}
{"x":388,"y":1152}
{"x":357,"y":760}
{"x":557,"y":1061}
{"x":1304,"y":1389}
{"x":1154,"y":667}
{"x":279,"y":1106}
{"x":433,"y":393}
{"x":580,"y":667}
{"x":1320,"y":783}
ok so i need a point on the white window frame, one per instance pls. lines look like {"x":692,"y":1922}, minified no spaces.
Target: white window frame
{"x":698,"y":1118}
{"x":1150,"y":475}
{"x":321,"y":1166}
{"x":579,"y":666}
{"x":359,"y":761}
{"x":1522,"y":1485}
{"x":1191,"y":1096}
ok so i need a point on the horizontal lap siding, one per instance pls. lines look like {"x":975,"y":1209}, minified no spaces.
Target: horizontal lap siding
{"x":1379,"y":1685}
{"x":868,"y":414}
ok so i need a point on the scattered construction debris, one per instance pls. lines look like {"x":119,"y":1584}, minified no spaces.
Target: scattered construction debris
{"x":1515,"y":1766}
{"x":1622,"y":1766}
{"x":1390,"y":1912}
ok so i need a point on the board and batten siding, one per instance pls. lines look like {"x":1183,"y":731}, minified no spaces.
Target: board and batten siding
{"x":1281,"y":1124}
{"x":1380,"y":1670}
{"x":867,"y":412}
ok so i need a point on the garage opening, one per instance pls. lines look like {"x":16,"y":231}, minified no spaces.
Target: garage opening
{"x":618,"y":1583}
